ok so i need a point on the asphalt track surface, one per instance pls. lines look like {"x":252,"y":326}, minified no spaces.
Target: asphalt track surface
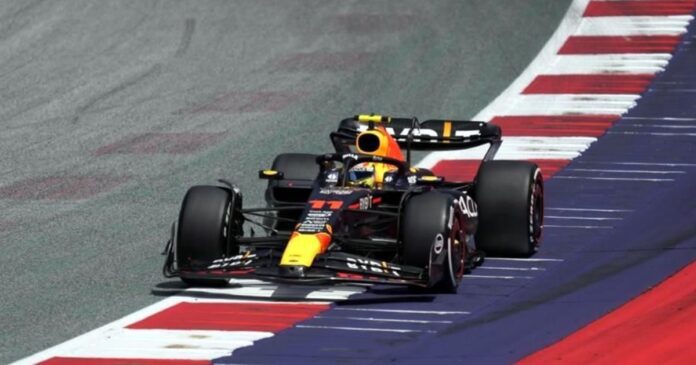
{"x":110,"y":110}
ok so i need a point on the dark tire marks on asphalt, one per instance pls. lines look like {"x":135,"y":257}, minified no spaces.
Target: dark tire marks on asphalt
{"x":189,"y":28}
{"x":87,"y":106}
{"x":12,"y":23}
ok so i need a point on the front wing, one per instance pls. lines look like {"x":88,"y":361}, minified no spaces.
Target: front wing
{"x":332,"y":267}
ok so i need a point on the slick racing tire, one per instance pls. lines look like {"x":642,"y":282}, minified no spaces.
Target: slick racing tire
{"x":510,"y":197}
{"x":297,"y":167}
{"x":206,"y":230}
{"x":430,"y":242}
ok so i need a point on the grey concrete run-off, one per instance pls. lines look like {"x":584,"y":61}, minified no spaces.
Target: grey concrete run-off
{"x":256,"y":77}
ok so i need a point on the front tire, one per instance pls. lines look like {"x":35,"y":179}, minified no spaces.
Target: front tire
{"x":206,"y":230}
{"x":430,"y":242}
{"x":510,"y":197}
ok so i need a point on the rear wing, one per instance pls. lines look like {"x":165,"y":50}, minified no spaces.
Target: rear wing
{"x":429,"y":135}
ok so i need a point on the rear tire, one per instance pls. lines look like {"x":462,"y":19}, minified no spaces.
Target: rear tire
{"x":297,"y":167}
{"x":206,"y":230}
{"x":424,"y":227}
{"x":511,"y":208}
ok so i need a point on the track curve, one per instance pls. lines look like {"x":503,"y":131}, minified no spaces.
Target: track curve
{"x":110,"y":110}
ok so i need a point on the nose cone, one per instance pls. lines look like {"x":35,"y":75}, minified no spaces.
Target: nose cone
{"x":303,"y":248}
{"x":292,"y":271}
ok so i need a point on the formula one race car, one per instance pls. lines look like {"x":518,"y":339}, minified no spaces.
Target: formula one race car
{"x":363,"y":213}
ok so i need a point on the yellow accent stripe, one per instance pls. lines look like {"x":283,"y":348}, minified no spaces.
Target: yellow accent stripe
{"x":373,"y":118}
{"x":447,"y":130}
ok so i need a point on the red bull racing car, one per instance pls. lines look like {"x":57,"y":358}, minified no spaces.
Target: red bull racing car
{"x":364,"y":213}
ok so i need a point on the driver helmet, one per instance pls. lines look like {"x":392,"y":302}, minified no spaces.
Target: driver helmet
{"x":375,"y":141}
{"x":362,"y":175}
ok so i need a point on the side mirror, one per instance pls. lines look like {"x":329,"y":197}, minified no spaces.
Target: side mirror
{"x":270,"y":175}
